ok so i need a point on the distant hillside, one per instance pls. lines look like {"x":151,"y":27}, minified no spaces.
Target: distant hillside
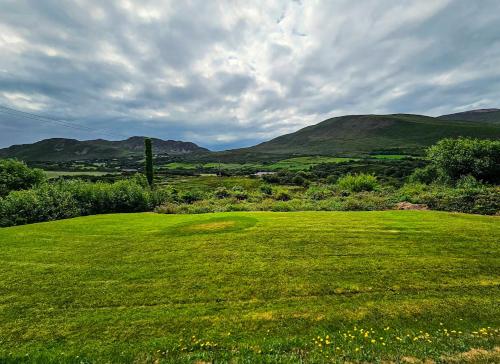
{"x":59,"y":149}
{"x":485,"y":115}
{"x":398,"y":133}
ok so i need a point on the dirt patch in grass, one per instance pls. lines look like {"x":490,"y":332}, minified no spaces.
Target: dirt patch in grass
{"x":476,"y":356}
{"x":214,"y":225}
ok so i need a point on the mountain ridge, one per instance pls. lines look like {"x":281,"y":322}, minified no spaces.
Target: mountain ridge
{"x":65,"y":149}
{"x":342,"y":135}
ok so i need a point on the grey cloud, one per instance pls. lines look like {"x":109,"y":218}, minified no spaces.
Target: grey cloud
{"x":227,"y":74}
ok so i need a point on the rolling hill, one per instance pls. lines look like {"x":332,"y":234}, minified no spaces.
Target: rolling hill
{"x":485,"y":115}
{"x":352,"y":134}
{"x":59,"y":149}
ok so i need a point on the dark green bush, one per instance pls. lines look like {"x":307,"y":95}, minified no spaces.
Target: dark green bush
{"x":460,"y":157}
{"x":281,"y":194}
{"x":427,"y":174}
{"x":266,"y":190}
{"x":222,"y":192}
{"x":191,"y":196}
{"x":16,"y":175}
{"x":63,"y":199}
{"x":239,"y":193}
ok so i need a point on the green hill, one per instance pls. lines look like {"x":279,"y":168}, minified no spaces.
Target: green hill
{"x":484,"y":115}
{"x":60,"y":149}
{"x":307,"y":287}
{"x":398,"y":133}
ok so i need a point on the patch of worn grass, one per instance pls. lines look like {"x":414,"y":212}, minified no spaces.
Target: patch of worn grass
{"x":133,"y":288}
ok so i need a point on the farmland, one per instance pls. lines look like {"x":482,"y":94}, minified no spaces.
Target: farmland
{"x":257,"y":287}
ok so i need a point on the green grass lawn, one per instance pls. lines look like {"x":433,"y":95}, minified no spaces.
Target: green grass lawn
{"x":251,"y":287}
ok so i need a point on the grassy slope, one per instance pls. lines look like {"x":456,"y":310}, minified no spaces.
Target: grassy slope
{"x":490,"y":116}
{"x":368,"y":133}
{"x":261,"y":286}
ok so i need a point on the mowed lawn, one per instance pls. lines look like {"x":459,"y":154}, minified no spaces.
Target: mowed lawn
{"x":252,"y":287}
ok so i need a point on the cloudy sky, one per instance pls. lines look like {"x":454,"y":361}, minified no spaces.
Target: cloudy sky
{"x":230,"y":74}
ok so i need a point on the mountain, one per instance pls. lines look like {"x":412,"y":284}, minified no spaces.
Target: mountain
{"x":354,"y":134}
{"x":344,"y":135}
{"x":60,"y":149}
{"x":485,"y":115}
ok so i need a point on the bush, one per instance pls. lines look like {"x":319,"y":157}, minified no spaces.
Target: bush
{"x":63,"y":199}
{"x":318,"y":193}
{"x":300,"y":181}
{"x":469,"y":197}
{"x":239,"y":193}
{"x":48,"y":202}
{"x":222,"y":192}
{"x":191,"y":196}
{"x":266,"y":190}
{"x":427,"y":174}
{"x":281,"y":195}
{"x":357,"y":182}
{"x":460,"y":157}
{"x":16,"y":175}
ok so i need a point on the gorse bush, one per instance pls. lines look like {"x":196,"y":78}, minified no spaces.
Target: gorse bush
{"x":16,"y":175}
{"x":63,"y":199}
{"x":357,"y":182}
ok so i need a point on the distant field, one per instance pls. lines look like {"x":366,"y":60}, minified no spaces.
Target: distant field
{"x":294,"y":164}
{"x":55,"y":174}
{"x":252,"y":287}
{"x":209,"y":183}
{"x":301,"y":163}
{"x":389,"y":156}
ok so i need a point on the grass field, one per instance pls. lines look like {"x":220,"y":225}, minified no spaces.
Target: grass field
{"x":252,"y":287}
{"x":293,"y":164}
{"x":55,"y":174}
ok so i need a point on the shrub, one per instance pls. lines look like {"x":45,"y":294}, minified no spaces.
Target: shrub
{"x":455,"y":158}
{"x":300,"y":181}
{"x":427,"y":174}
{"x":16,"y":175}
{"x":469,"y":197}
{"x":281,"y":194}
{"x":191,"y":196}
{"x":63,"y":199}
{"x":239,"y":193}
{"x":266,"y":190}
{"x":318,"y":193}
{"x":357,"y":182}
{"x":222,"y":192}
{"x":47,"y":202}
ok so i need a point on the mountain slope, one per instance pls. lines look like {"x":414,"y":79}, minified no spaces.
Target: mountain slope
{"x":401,"y":133}
{"x":60,"y":149}
{"x":484,"y":115}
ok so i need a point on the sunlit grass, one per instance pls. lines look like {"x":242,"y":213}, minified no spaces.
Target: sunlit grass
{"x":255,"y":287}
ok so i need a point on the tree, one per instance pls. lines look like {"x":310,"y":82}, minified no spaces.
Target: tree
{"x":149,"y":160}
{"x":16,"y":175}
{"x":457,"y":158}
